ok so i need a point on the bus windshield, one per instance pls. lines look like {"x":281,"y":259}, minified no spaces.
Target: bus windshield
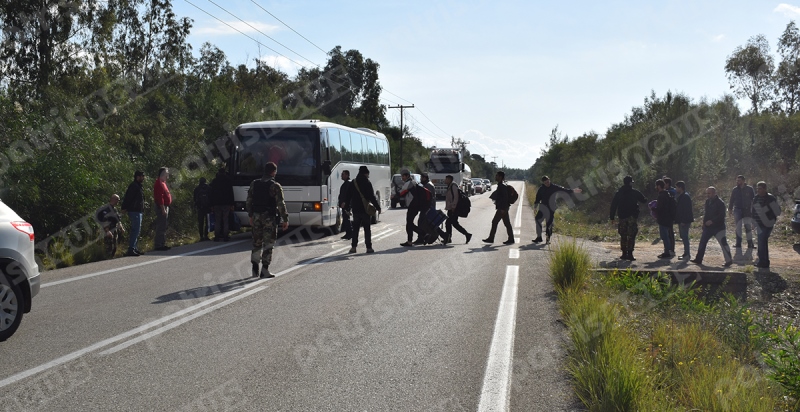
{"x":296,"y":151}
{"x":444,"y":165}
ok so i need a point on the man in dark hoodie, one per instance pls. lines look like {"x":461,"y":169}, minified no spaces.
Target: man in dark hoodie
{"x":202,"y":205}
{"x":547,"y":205}
{"x":765,"y":211}
{"x":626,"y":205}
{"x":360,"y":194}
{"x":222,"y":202}
{"x":684,"y":216}
{"x":133,"y":204}
{"x":666,"y":217}
{"x":502,"y":205}
{"x":713,"y":226}
{"x":344,"y":206}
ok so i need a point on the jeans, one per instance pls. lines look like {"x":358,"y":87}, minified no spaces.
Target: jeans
{"x":452,"y":222}
{"x":136,"y":228}
{"x":663,"y":231}
{"x":683,"y":228}
{"x":202,"y":223}
{"x":745,"y":221}
{"x":763,"y":249}
{"x":721,"y":238}
{"x":544,"y":213}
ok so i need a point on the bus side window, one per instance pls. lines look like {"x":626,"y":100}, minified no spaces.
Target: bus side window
{"x":371,"y":152}
{"x":335,"y":145}
{"x":385,"y":153}
{"x":356,"y":142}
{"x":347,"y":149}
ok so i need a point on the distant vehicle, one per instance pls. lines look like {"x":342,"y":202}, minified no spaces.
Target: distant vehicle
{"x":477,"y":184}
{"x":796,"y":218}
{"x":487,"y":184}
{"x":19,"y":272}
{"x":397,"y":187}
{"x":310,"y":155}
{"x":445,"y":162}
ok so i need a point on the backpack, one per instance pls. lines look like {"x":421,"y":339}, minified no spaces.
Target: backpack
{"x":513,"y":196}
{"x":202,"y":201}
{"x":464,"y":204}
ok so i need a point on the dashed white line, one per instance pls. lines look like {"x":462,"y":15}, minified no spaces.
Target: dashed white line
{"x":497,"y":379}
{"x":513,"y":253}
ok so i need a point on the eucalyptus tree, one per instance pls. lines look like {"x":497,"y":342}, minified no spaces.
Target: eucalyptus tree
{"x":750,"y":72}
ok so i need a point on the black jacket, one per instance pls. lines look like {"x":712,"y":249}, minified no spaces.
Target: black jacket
{"x":544,"y":196}
{"x":684,"y":212}
{"x":221,"y":190}
{"x":344,"y":193}
{"x":666,"y":208}
{"x":134,"y":198}
{"x":500,"y":197}
{"x":202,"y":196}
{"x":355,"y":202}
{"x":742,"y":198}
{"x":715,"y":212}
{"x":626,"y":202}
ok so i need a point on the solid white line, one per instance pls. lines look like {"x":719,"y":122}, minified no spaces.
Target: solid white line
{"x":179,"y":322}
{"x":149,"y":262}
{"x":497,"y":380}
{"x":513,"y":253}
{"x":518,"y":218}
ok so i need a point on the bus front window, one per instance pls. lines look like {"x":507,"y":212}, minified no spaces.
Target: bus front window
{"x":295,"y":151}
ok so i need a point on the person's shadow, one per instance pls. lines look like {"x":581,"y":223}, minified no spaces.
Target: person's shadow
{"x":203,"y":291}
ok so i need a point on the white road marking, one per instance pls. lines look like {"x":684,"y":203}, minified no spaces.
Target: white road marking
{"x":149,"y":262}
{"x":497,"y":379}
{"x":155,"y":323}
{"x":518,"y":218}
{"x":513,"y":253}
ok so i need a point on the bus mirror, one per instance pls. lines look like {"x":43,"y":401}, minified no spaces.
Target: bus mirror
{"x":326,"y":167}
{"x":463,"y":167}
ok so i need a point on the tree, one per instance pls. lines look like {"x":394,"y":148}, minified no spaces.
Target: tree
{"x":787,"y":76}
{"x":749,"y":71}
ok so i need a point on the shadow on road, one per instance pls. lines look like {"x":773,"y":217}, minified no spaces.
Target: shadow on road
{"x":203,"y":291}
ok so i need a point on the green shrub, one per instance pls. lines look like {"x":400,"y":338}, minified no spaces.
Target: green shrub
{"x":570,"y":265}
{"x":784,"y":358}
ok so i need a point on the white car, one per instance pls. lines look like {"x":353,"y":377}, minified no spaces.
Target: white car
{"x":19,"y":272}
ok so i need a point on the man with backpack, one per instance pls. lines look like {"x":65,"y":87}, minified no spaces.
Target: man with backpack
{"x":547,"y":206}
{"x":452,"y":200}
{"x":502,"y":203}
{"x":666,"y":216}
{"x":202,"y":204}
{"x":415,"y":201}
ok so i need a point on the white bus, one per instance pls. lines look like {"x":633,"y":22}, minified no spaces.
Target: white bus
{"x":310,"y":155}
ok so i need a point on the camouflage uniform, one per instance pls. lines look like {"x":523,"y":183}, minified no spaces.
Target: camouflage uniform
{"x":628,"y":229}
{"x":265,"y":224}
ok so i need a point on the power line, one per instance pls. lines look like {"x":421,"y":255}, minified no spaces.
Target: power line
{"x":276,"y":18}
{"x":264,"y":34}
{"x":244,"y":34}
{"x":424,"y":127}
{"x":437,"y":126}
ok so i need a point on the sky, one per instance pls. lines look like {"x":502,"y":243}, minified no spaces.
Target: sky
{"x":502,"y":74}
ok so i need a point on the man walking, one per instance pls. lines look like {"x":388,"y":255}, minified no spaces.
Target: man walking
{"x":765,"y":211}
{"x":222,"y":203}
{"x":202,"y":203}
{"x":133,"y":204}
{"x":546,"y":205}
{"x":740,"y":207}
{"x":413,"y":205}
{"x":109,"y":220}
{"x":502,"y":205}
{"x":684,"y":216}
{"x":360,"y":194}
{"x":713,"y":226}
{"x":666,"y":216}
{"x":626,"y":205}
{"x":344,"y":205}
{"x":162,"y":199}
{"x":451,"y":199}
{"x":266,"y":209}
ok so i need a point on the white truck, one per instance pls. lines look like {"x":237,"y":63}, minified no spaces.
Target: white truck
{"x":445,"y":162}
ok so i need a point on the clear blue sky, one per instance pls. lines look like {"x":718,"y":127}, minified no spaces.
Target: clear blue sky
{"x":501,"y":74}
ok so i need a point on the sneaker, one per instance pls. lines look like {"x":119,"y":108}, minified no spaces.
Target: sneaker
{"x":255,"y":270}
{"x":139,"y":252}
{"x":509,"y":242}
{"x":407,"y":244}
{"x":469,"y":237}
{"x":547,"y":242}
{"x":265,"y":274}
{"x":728,"y":263}
{"x":370,"y":250}
{"x":538,"y":239}
{"x":345,"y":237}
{"x":623,"y":257}
{"x":684,"y":256}
{"x":487,"y":240}
{"x":696,"y":262}
{"x":352,"y":250}
{"x":664,"y":255}
{"x":630,"y":257}
{"x":131,"y":253}
{"x":420,"y":241}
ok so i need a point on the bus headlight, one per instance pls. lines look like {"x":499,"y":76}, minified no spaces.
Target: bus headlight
{"x":311,"y":207}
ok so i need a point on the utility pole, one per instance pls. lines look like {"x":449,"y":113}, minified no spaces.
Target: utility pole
{"x":402,"y":131}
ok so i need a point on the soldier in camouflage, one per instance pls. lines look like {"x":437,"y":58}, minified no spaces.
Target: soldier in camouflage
{"x":267,"y":209}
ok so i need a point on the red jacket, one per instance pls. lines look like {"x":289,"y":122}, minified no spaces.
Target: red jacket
{"x":161,"y":193}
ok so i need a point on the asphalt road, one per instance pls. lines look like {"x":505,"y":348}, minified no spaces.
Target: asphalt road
{"x":461,"y":327}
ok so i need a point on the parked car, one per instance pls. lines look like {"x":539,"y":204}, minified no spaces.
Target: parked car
{"x":796,"y":217}
{"x":19,"y":272}
{"x":397,"y":187}
{"x":477,"y":185}
{"x":487,"y":184}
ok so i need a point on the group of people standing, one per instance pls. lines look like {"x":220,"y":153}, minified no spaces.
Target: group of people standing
{"x":751,"y":209}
